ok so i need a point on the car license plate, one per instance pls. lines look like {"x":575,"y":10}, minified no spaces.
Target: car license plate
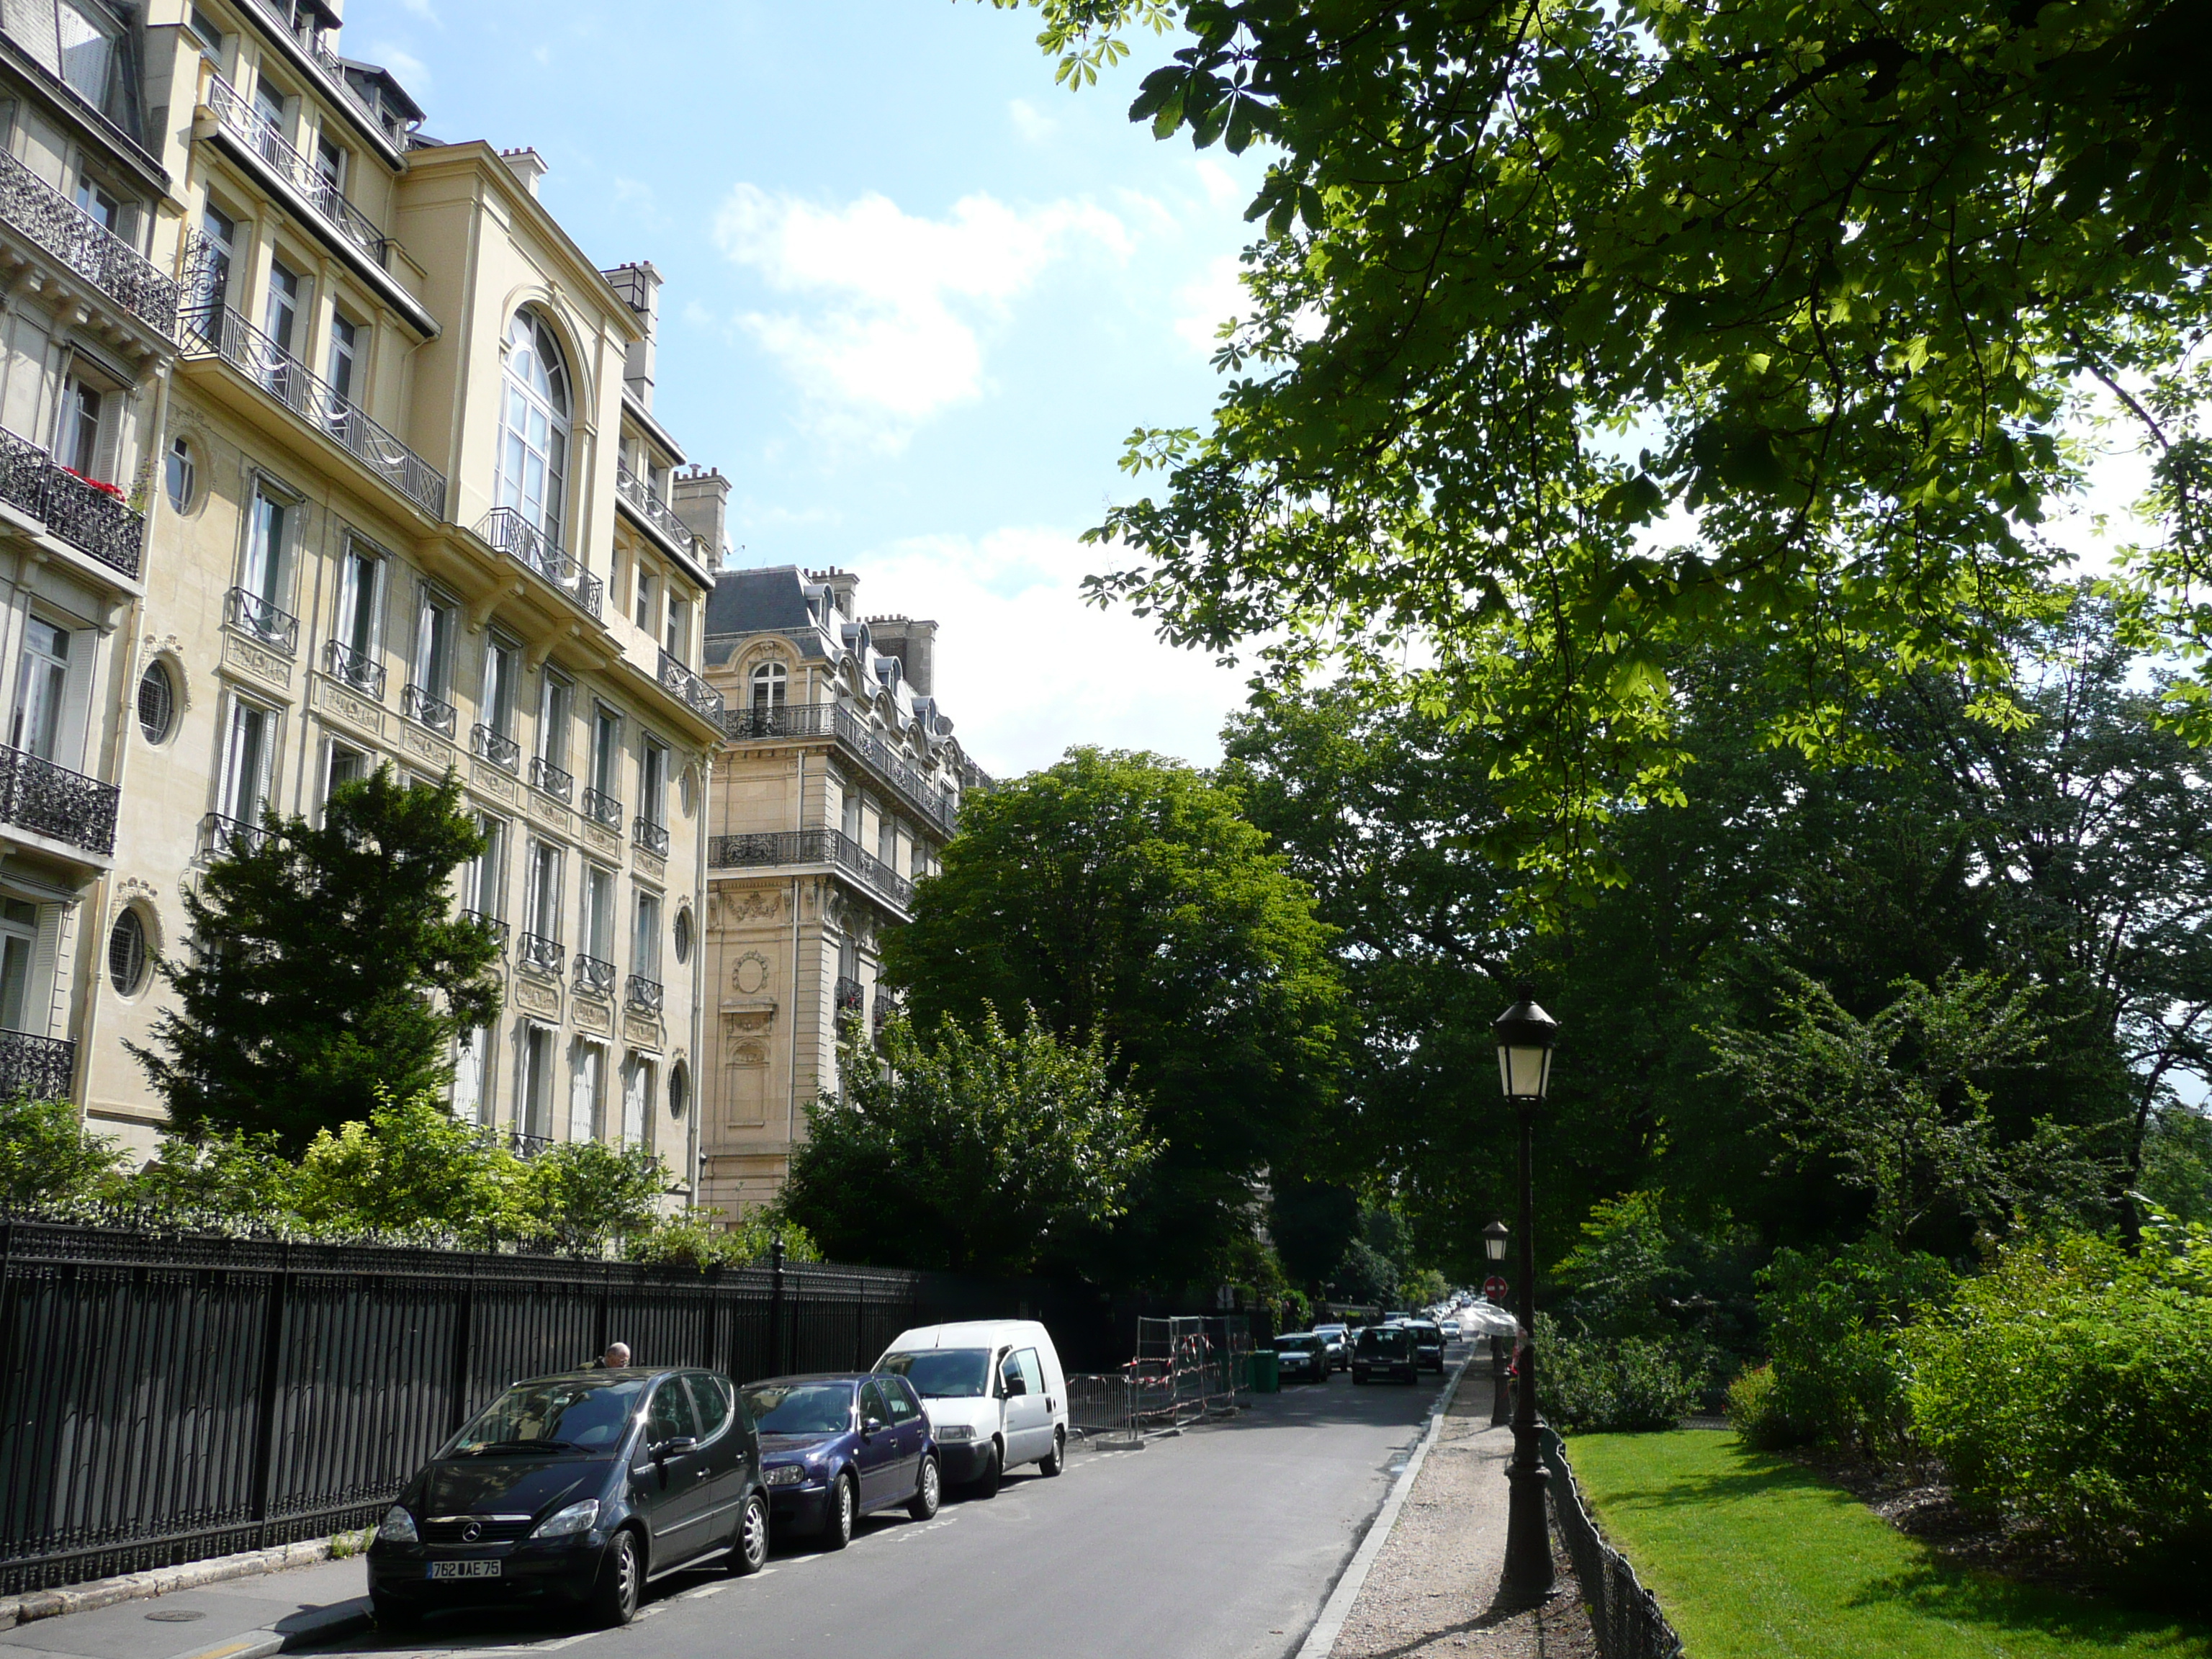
{"x":464,"y":1569}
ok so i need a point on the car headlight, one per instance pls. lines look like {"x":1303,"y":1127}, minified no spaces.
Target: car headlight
{"x":566,"y":1523}
{"x":783,"y":1474}
{"x":952,"y":1431}
{"x":397,"y":1526}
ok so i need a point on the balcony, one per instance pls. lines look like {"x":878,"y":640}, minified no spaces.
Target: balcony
{"x":242,"y":122}
{"x":228,"y":838}
{"x":254,"y":617}
{"x":644,"y":994}
{"x":503,"y":753}
{"x":544,"y":776}
{"x":82,"y":243}
{"x":525,"y":1144}
{"x":636,"y":494}
{"x":425,"y":709}
{"x":42,"y":1068}
{"x":218,"y":331}
{"x":769,"y":723}
{"x":299,"y":25}
{"x":87,"y":517}
{"x":53,"y":801}
{"x":354,"y":669}
{"x":850,"y":998}
{"x":602,"y":809}
{"x":705,"y":701}
{"x":830,"y":847}
{"x":491,"y":925}
{"x":509,"y":532}
{"x":654,"y":838}
{"x":538,"y":954}
{"x":594,"y":977}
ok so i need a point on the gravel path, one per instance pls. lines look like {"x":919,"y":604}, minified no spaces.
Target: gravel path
{"x":1431,"y":1589}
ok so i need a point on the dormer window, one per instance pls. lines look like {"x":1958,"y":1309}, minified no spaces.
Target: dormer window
{"x":769,"y":680}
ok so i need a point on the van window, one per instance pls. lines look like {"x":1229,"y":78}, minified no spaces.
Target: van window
{"x":943,"y":1373}
{"x":1032,"y":1373}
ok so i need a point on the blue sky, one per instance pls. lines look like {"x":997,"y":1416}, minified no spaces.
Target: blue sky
{"x":916,"y":297}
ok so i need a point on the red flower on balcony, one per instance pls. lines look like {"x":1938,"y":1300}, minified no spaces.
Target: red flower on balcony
{"x":101,"y":485}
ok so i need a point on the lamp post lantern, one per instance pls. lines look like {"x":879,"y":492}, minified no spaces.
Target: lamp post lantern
{"x":1501,"y":1404}
{"x":1525,"y":1036}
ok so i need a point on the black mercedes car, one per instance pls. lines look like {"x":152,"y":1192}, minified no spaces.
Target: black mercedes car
{"x":572,"y":1492}
{"x":1384,"y":1351}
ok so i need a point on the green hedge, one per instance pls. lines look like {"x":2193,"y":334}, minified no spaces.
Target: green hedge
{"x":1594,"y":1385}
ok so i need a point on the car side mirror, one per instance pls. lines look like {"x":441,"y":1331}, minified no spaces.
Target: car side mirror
{"x":1016,"y":1385}
{"x":873,"y":1426}
{"x":675,"y":1446}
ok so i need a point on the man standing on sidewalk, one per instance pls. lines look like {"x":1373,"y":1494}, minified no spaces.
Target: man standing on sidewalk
{"x":614,"y":1359}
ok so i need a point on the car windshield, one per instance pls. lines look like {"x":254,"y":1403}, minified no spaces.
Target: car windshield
{"x":1382,"y":1339}
{"x":1297,"y":1344}
{"x":943,"y":1373}
{"x":801,"y":1407}
{"x":562,"y":1414}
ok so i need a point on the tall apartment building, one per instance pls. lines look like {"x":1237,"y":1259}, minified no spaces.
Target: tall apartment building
{"x":838,"y":783}
{"x":330,"y":447}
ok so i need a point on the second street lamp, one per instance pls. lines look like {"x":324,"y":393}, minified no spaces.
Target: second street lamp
{"x":1501,"y":1406}
{"x":1525,"y":1034}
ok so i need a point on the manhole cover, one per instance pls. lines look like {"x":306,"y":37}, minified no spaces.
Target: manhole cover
{"x":175,"y":1615}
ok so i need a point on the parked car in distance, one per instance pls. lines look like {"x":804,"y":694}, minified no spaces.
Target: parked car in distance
{"x":1428,"y":1343}
{"x":1384,"y":1351}
{"x":1339,"y":1338}
{"x":1397,"y":1318}
{"x":572,"y":1491}
{"x":1304,"y":1355}
{"x":836,"y":1447}
{"x":994,"y":1393}
{"x":1450,"y":1328}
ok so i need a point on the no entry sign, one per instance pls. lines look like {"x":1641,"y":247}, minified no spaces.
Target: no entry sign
{"x":1496,"y":1290}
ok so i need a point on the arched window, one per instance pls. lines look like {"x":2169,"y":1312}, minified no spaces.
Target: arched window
{"x":769,"y":680}
{"x":533,"y":427}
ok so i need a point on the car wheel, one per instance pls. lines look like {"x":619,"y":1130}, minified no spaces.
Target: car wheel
{"x":844,"y":1510}
{"x":1058,"y":1461}
{"x":927,"y":1491}
{"x":622,"y":1582}
{"x":750,"y":1553}
{"x":986,"y":1485}
{"x":394,"y":1614}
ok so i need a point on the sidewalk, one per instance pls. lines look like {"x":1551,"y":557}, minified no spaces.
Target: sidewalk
{"x":237,"y":1619}
{"x":1428,"y":1593}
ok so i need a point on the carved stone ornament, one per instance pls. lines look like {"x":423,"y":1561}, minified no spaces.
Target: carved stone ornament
{"x":138,"y":887}
{"x":337,"y":700}
{"x":651,"y":866}
{"x":261,"y":665}
{"x":751,"y":904}
{"x":749,"y":976}
{"x":489,"y":779}
{"x":535,"y":996}
{"x":430,"y":746}
{"x":642,"y":1031}
{"x":594,"y":1015}
{"x":604,"y":841}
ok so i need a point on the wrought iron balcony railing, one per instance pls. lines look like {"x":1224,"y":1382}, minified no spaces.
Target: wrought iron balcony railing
{"x":850,"y":996}
{"x":48,"y":800}
{"x":654,"y":838}
{"x":303,"y":29}
{"x":225,"y":837}
{"x":602,"y":808}
{"x":526,"y":1145}
{"x":637,"y":493}
{"x":354,"y":669}
{"x":490,"y":924}
{"x":44,"y":1068}
{"x":213,"y":330}
{"x":89,"y":518}
{"x":420,"y":706}
{"x":702,"y":698}
{"x":509,"y":532}
{"x":539,"y":954}
{"x":295,"y":169}
{"x":767,"y":724}
{"x":499,"y":751}
{"x":544,"y":775}
{"x":644,"y":993}
{"x":830,"y":847}
{"x":249,"y":613}
{"x":85,"y":246}
{"x":594,"y":975}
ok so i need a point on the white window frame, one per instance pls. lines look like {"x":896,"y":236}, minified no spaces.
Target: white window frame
{"x":240,"y":797}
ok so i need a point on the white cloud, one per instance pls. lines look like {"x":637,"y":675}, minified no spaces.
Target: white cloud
{"x":414,"y":74}
{"x":1201,"y":306}
{"x":1025,"y":668}
{"x":421,"y":9}
{"x":892,"y":308}
{"x":1033,"y":126}
{"x":1223,"y":188}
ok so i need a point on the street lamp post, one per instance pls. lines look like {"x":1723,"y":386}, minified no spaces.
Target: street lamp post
{"x":1501,"y":1406}
{"x":1525,"y":1036}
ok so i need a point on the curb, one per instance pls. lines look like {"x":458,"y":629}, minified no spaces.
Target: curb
{"x":159,"y":1581}
{"x":331,"y":1623}
{"x":1338,"y":1608}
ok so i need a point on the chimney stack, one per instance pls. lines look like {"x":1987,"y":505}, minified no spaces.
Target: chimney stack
{"x":913,"y":641}
{"x":700,"y":496}
{"x":526,"y":165}
{"x":841,"y":585}
{"x":638,"y":284}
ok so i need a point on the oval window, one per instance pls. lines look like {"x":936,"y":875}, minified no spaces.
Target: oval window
{"x":127,"y":953}
{"x":679,"y":1089}
{"x":683,"y":936}
{"x":157,"y":702}
{"x":182,"y":475}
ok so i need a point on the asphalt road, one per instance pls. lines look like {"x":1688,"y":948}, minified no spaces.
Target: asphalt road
{"x":1221,"y":1543}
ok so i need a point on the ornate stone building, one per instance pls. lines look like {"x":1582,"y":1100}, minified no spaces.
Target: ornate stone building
{"x":387,"y":486}
{"x":839,"y":781}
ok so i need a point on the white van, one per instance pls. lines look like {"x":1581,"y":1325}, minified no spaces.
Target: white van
{"x":995,"y":1395}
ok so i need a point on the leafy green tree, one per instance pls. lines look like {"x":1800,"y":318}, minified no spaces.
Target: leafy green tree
{"x":973,"y":1149}
{"x":1125,"y":900}
{"x":1582,"y":338}
{"x":585,"y":1191}
{"x":48,"y":1156}
{"x":411,"y":1166}
{"x":219,"y":1175}
{"x":325,"y":967}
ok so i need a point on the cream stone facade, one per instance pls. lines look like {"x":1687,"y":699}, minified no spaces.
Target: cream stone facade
{"x":837,"y":785}
{"x":397,"y":493}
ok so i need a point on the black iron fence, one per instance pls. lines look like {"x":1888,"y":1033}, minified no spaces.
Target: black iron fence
{"x":164,"y":1398}
{"x":1625,"y":1615}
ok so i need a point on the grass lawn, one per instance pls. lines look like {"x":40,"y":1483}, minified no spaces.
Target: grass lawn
{"x":1753,"y":1557}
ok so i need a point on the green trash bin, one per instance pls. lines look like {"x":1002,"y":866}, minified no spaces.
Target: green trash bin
{"x":1265,"y":1377}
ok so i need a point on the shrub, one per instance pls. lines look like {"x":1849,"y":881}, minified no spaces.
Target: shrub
{"x":2070,"y":1388}
{"x":1608,"y":1385}
{"x":48,"y":1156}
{"x":1835,"y":1326}
{"x":1755,"y":1414}
{"x":695,"y":1239}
